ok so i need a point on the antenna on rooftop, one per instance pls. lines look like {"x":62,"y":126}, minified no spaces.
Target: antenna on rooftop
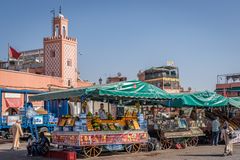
{"x":53,"y":12}
{"x":60,"y":9}
{"x":60,"y":6}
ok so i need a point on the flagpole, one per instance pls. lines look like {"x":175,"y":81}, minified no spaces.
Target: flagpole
{"x":8,"y":56}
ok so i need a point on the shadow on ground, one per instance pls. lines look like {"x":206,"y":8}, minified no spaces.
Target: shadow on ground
{"x":7,"y":154}
{"x":202,"y":155}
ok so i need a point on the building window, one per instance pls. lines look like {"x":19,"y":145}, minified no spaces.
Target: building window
{"x":52,"y":74}
{"x":64,"y":31}
{"x":56,"y":30}
{"x":69,"y":62}
{"x":52,"y":53}
{"x":69,"y":82}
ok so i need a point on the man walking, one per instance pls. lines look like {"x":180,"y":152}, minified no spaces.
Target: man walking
{"x":228,"y":151}
{"x":17,"y":132}
{"x":215,"y":131}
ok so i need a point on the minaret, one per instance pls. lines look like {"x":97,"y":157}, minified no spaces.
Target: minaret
{"x":60,"y":52}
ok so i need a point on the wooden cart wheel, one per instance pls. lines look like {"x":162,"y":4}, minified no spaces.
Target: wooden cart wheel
{"x":193,"y":141}
{"x":166,"y":143}
{"x":92,"y":151}
{"x":133,"y":148}
{"x":151,"y":146}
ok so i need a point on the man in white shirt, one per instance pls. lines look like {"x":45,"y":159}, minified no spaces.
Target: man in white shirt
{"x":101,"y":112}
{"x":215,"y":131}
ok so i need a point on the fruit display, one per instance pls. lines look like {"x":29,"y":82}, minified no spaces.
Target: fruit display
{"x":110,"y":117}
{"x":89,"y":115}
{"x":130,"y":124}
{"x":62,"y":122}
{"x":89,"y":127}
{"x":128,"y":113}
{"x":70,"y":122}
{"x":136,"y":125}
{"x":134,"y":114}
{"x":111,"y":127}
{"x":96,"y":116}
{"x":104,"y":127}
{"x":96,"y":126}
{"x":118,"y":126}
{"x":88,"y":122}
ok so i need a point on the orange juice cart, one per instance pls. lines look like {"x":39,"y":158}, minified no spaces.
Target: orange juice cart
{"x":87,"y":132}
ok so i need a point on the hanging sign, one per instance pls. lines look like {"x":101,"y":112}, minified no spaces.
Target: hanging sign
{"x":38,"y":120}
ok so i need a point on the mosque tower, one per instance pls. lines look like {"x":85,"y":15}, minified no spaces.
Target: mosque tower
{"x":60,"y":52}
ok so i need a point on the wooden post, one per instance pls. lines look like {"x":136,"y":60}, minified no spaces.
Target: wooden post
{"x":108,"y":107}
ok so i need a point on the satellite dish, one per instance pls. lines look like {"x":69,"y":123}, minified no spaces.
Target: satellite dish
{"x":119,"y":74}
{"x":170,"y":63}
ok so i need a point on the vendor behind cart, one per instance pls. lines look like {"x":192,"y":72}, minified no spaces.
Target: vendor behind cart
{"x":102,"y":112}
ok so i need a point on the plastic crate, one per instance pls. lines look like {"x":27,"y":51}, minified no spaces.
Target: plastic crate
{"x":64,"y":155}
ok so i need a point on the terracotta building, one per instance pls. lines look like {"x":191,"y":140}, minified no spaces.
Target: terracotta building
{"x":53,"y":67}
{"x":228,"y":85}
{"x":164,"y":77}
{"x":118,"y":78}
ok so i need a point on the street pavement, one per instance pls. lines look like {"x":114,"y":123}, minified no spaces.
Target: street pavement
{"x":190,"y":153}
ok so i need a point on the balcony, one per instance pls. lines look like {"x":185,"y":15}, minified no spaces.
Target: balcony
{"x":227,"y":85}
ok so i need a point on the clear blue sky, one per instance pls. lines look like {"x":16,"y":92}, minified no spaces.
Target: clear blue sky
{"x":201,"y":36}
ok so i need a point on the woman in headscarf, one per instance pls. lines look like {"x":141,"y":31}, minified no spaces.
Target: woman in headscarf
{"x":41,"y":147}
{"x":225,"y":136}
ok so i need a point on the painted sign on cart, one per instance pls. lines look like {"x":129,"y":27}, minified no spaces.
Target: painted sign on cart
{"x":12,"y":119}
{"x":100,"y":139}
{"x":237,"y":139}
{"x":71,"y":140}
{"x":38,"y":120}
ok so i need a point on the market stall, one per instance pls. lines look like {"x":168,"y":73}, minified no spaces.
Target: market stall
{"x":175,"y":126}
{"x":92,"y":132}
{"x":183,"y":120}
{"x":229,"y":113}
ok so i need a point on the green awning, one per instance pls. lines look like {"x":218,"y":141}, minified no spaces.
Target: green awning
{"x":60,"y":94}
{"x":128,"y":89}
{"x":198,"y":99}
{"x":234,"y":101}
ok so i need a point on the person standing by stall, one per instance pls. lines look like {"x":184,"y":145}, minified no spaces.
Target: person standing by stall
{"x":102,"y":112}
{"x":17,"y":133}
{"x":228,"y":150}
{"x":215,"y":131}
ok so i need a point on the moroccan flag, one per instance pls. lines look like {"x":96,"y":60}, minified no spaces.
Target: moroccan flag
{"x":13,"y":53}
